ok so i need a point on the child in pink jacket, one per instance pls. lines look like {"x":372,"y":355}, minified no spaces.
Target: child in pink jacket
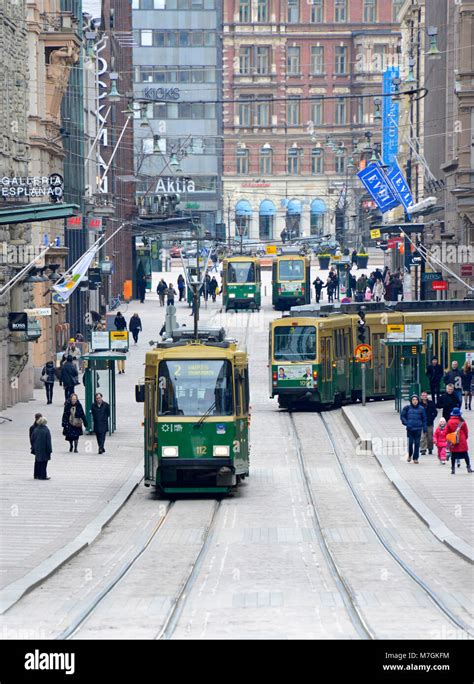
{"x":439,"y":438}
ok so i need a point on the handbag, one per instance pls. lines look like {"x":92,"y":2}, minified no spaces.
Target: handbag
{"x":75,"y":422}
{"x":44,"y":377}
{"x":453,"y":437}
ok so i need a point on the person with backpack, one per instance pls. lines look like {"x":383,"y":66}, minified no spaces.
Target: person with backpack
{"x":161,"y":291}
{"x":457,"y":436}
{"x":48,"y":376}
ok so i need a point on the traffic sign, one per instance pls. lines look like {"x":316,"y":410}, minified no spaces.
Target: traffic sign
{"x":429,"y":277}
{"x":393,"y":242}
{"x":467,"y":269}
{"x":271,"y":249}
{"x":439,"y":285}
{"x":375,"y":233}
{"x":396,"y":328}
{"x":363,"y":352}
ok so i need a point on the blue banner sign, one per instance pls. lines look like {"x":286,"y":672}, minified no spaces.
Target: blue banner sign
{"x":390,"y":116}
{"x":378,"y":187}
{"x":399,"y":184}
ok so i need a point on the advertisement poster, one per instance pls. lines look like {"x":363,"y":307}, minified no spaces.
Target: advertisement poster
{"x":303,"y":376}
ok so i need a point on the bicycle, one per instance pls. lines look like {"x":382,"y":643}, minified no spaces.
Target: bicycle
{"x":117,"y":303}
{"x":3,"y":419}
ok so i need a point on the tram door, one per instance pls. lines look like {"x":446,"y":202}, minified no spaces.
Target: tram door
{"x":437,"y":344}
{"x":150,"y":413}
{"x":380,"y":375}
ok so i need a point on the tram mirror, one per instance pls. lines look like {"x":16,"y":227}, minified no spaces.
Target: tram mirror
{"x":140,"y":393}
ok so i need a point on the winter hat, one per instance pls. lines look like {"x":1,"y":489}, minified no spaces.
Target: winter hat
{"x":442,"y":421}
{"x":456,"y":412}
{"x":413,"y":396}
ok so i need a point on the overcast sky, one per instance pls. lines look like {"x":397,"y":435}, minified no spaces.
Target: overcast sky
{"x":92,"y":7}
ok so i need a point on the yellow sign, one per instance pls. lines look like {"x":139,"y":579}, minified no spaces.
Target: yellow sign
{"x":336,"y":257}
{"x":375,"y":233}
{"x":399,"y":328}
{"x":271,"y":249}
{"x":363,"y":352}
{"x":118,"y":335}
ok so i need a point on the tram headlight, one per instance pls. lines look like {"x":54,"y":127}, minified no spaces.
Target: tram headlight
{"x":232,"y":296}
{"x":169,"y":452}
{"x":220,"y":450}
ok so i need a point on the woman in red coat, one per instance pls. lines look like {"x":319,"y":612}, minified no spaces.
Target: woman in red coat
{"x":459,"y":450}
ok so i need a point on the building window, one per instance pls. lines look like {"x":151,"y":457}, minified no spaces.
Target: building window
{"x":293,"y":61}
{"x":245,"y":113}
{"x":340,"y":164}
{"x":317,"y":11}
{"x":396,"y":7}
{"x":370,"y":11}
{"x":242,"y":162}
{"x":317,"y":223}
{"x":317,"y":160}
{"x":262,"y":10}
{"x":146,"y":38}
{"x":379,"y":58}
{"x":266,"y":161}
{"x":360,"y":110}
{"x":263,"y":113}
{"x":245,"y":59}
{"x":317,"y":113}
{"x":293,"y":112}
{"x":340,"y":11}
{"x":340,"y":66}
{"x":265,"y":227}
{"x":317,"y":59}
{"x":262,"y":59}
{"x":244,"y":11}
{"x":294,"y":155}
{"x":340,"y":114}
{"x":293,"y":11}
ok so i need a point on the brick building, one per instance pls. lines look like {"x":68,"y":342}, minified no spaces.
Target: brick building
{"x":296,"y":80}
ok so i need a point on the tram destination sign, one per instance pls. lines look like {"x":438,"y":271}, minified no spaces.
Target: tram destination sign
{"x":411,"y":333}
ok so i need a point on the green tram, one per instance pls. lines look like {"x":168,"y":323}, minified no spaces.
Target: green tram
{"x":196,"y":427}
{"x":241,"y":283}
{"x":311,"y":350}
{"x":290,"y":281}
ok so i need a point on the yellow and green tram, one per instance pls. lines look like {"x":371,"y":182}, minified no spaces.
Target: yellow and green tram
{"x":241,"y":283}
{"x":311,"y":350}
{"x":291,"y":283}
{"x":196,"y":426}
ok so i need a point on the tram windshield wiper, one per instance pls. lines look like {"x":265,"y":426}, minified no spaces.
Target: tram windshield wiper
{"x":204,"y":415}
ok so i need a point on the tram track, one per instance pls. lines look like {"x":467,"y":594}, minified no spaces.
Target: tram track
{"x":433,"y":597}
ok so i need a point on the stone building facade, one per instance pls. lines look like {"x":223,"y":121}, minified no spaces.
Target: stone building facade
{"x":299,"y":85}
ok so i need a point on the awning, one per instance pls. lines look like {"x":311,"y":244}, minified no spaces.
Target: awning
{"x":267,"y":208}
{"x":37,"y":212}
{"x":318,"y":206}
{"x":294,"y":207}
{"x":243,"y":208}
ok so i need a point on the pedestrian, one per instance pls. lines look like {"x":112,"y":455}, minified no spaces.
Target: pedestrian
{"x":71,"y":350}
{"x":78,"y":337}
{"x":448,"y":401}
{"x":354,"y":257}
{"x":361,"y":286}
{"x":379,"y":290}
{"x":467,"y":384}
{"x":100,"y":415}
{"x":69,"y":377}
{"x":48,"y":376}
{"x":170,"y":294}
{"x":120,"y":322}
{"x":434,"y":373}
{"x":161,"y":291}
{"x":135,"y":326}
{"x":330,"y":288}
{"x":181,"y":288}
{"x":213,"y":286}
{"x":431,"y":413}
{"x":74,"y":419}
{"x":454,"y":376}
{"x":284,"y":235}
{"x":352,"y":285}
{"x":457,"y":438}
{"x":215,"y":260}
{"x":368,"y":295}
{"x":318,"y":287}
{"x":141,"y":286}
{"x":389,"y":289}
{"x":413,"y":417}
{"x":42,"y":448}
{"x":32,"y":429}
{"x":439,"y":438}
{"x":207,"y":280}
{"x":397,"y":287}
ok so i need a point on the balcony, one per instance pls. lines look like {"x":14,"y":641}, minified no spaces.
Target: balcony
{"x":101,"y":204}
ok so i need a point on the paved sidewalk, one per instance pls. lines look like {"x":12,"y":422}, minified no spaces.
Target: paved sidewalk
{"x":445,"y":502}
{"x":44,"y":523}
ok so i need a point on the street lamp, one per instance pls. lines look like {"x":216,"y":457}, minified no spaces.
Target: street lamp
{"x":114,"y":95}
{"x":433,"y":52}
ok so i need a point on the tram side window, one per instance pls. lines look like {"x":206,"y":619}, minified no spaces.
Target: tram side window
{"x":429,"y":347}
{"x":444,"y":348}
{"x":463,"y":334}
{"x":246,"y":390}
{"x":238,"y":395}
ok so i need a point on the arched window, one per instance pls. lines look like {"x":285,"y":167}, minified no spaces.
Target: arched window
{"x":243,"y":217}
{"x":266,"y":220}
{"x":317,"y":213}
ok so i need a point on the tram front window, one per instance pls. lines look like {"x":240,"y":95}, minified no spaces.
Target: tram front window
{"x":295,"y":343}
{"x":194,"y":387}
{"x":291,"y":270}
{"x":241,"y":272}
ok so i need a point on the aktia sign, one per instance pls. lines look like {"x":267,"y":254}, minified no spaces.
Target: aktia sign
{"x":169,"y":185}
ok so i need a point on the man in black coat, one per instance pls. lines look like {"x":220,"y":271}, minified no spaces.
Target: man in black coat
{"x":42,"y":448}
{"x":431,"y":413}
{"x":32,"y":429}
{"x":448,"y":401}
{"x":100,"y":415}
{"x":120,"y":322}
{"x":454,"y":376}
{"x":69,"y":377}
{"x":434,"y":373}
